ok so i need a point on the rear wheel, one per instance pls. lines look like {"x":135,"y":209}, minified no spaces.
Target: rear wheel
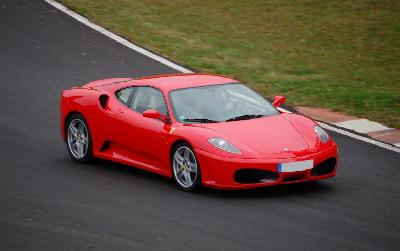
{"x":186,"y":170}
{"x":79,"y":142}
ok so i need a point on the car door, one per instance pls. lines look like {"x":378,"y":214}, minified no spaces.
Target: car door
{"x":145,"y":139}
{"x":114,"y":116}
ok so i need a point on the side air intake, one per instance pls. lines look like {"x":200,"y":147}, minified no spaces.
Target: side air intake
{"x":103,"y":101}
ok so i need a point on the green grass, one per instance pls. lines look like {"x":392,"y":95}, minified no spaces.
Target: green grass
{"x":343,"y":55}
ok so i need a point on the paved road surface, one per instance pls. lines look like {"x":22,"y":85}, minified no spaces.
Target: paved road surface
{"x":49,"y":202}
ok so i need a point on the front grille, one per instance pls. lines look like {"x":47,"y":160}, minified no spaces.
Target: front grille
{"x":298,"y":176}
{"x":251,"y":176}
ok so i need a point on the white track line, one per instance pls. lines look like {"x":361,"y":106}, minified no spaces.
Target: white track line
{"x":117,"y":38}
{"x":184,"y":70}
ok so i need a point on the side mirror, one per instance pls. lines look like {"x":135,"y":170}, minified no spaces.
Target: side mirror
{"x":154,"y":114}
{"x":278,"y":101}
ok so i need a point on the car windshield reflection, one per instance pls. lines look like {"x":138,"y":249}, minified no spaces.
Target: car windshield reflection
{"x":219,"y":103}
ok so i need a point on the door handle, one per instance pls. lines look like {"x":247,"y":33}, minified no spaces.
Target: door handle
{"x":121,"y":110}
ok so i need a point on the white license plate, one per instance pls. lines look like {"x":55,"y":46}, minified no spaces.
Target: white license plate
{"x":295,"y":166}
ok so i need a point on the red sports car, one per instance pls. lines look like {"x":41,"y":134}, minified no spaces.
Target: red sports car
{"x":199,"y":129}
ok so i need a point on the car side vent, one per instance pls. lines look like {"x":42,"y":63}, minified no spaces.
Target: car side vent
{"x":105,"y":146}
{"x":103,"y":101}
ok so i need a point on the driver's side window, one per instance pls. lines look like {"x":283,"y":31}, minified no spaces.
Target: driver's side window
{"x":148,"y":98}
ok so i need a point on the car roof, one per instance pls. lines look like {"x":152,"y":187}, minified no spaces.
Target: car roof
{"x":170,"y":82}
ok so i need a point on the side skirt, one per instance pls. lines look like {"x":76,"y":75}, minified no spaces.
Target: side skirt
{"x":127,"y":161}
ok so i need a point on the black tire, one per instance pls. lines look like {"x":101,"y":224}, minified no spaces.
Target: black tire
{"x":87,"y":157}
{"x":196,"y":185}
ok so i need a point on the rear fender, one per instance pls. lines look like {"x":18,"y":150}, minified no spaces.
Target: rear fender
{"x":83,"y":101}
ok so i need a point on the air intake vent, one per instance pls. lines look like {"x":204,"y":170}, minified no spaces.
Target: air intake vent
{"x":103,"y":101}
{"x":250,"y":176}
{"x":324,"y":167}
{"x":105,"y":146}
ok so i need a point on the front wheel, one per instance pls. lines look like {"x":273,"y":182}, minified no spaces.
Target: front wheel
{"x":79,"y":142}
{"x":186,"y":170}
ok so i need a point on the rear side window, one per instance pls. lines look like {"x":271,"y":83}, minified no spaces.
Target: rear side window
{"x":124,"y":94}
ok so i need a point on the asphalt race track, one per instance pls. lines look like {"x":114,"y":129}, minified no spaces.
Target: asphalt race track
{"x":49,"y":202}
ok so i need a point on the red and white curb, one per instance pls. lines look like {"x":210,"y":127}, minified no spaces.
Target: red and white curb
{"x":382,"y":133}
{"x":362,"y":125}
{"x":367,"y":127}
{"x":373,"y":129}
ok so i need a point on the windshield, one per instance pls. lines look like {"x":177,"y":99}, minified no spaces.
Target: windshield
{"x":217,"y":103}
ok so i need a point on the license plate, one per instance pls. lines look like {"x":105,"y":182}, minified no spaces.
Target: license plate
{"x":295,"y":166}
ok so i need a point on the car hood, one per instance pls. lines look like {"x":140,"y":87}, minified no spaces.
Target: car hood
{"x":268,"y":135}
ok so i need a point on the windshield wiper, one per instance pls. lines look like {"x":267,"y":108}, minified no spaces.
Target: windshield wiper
{"x":245,"y":117}
{"x":200,"y":120}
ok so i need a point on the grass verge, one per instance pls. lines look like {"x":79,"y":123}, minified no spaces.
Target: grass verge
{"x":343,"y":55}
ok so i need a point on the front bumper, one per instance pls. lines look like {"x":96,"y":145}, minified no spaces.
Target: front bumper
{"x":219,"y":172}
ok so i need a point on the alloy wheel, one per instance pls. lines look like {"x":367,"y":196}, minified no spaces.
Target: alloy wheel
{"x":78,"y":138}
{"x":185,"y":167}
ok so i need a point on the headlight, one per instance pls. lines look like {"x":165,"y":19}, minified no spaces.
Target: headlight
{"x":223,"y":145}
{"x":323,"y":136}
